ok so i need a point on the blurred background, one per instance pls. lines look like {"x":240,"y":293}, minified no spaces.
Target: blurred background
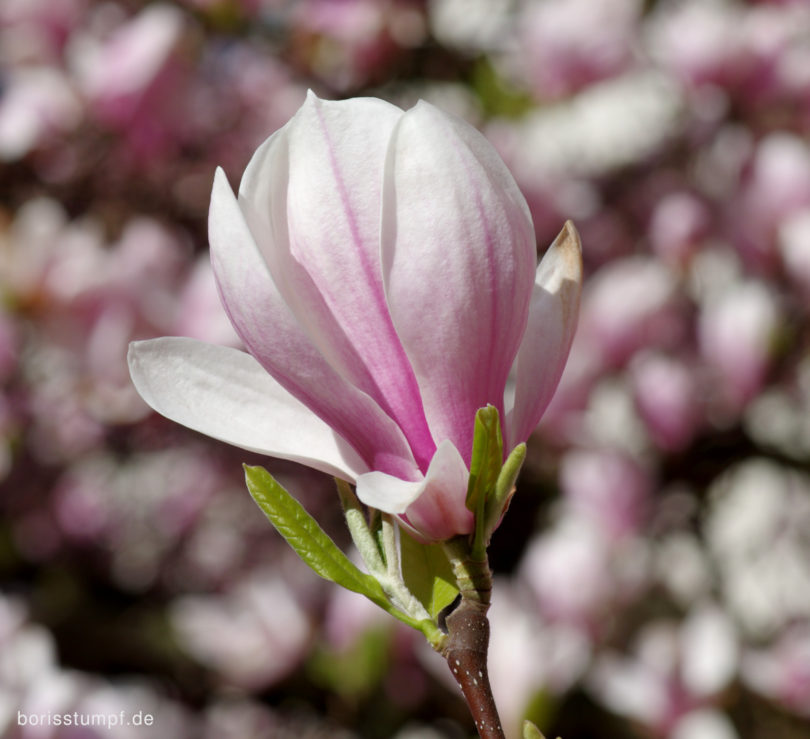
{"x":653,"y":575}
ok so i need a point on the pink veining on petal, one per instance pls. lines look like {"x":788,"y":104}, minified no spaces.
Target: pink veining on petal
{"x":457,"y":287}
{"x":253,"y":304}
{"x":326,"y":261}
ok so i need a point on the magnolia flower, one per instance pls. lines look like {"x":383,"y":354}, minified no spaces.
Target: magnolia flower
{"x":380,"y":268}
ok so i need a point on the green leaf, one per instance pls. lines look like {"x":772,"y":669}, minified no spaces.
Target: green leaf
{"x":427,"y":573}
{"x":367,"y":543}
{"x":504,"y":489}
{"x":487,"y":457}
{"x":314,"y":546}
{"x":309,"y":540}
{"x":485,"y":466}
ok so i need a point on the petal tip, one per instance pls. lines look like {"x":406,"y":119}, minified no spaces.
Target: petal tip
{"x":568,"y":247}
{"x":134,"y":353}
{"x":219,"y":186}
{"x":569,"y":241}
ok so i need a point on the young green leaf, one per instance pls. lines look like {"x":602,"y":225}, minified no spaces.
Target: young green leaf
{"x":427,"y":574}
{"x":366,"y":542}
{"x":485,"y":466}
{"x":504,"y":489}
{"x":487,"y":457}
{"x":309,"y":540}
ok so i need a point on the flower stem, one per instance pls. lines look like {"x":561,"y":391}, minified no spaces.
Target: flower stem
{"x":468,"y":637}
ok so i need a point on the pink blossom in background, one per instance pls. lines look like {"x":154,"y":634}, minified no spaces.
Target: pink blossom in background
{"x":40,"y":104}
{"x":608,"y":488}
{"x":133,"y":78}
{"x":776,"y":44}
{"x":569,"y":44}
{"x":667,"y":394}
{"x":678,"y":224}
{"x":378,"y":379}
{"x":776,"y":187}
{"x":674,"y":676}
{"x":781,"y":671}
{"x":199,"y":311}
{"x":737,"y":331}
{"x":628,"y":304}
{"x":759,"y":547}
{"x":578,"y":572}
{"x":349,"y":617}
{"x":37,"y":30}
{"x":794,"y":247}
{"x":347,"y":43}
{"x":253,"y":636}
{"x":699,"y":42}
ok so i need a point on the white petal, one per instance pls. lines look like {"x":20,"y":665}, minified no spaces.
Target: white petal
{"x":224,"y":393}
{"x":387,"y":493}
{"x":549,"y":333}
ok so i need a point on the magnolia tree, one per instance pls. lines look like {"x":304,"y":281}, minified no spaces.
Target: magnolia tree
{"x":380,"y":268}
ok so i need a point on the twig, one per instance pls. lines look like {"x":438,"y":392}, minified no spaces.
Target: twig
{"x":468,"y":638}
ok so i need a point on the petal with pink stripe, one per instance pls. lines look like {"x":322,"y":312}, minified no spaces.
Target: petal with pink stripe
{"x":458,"y":258}
{"x":318,"y":226}
{"x":271,"y":333}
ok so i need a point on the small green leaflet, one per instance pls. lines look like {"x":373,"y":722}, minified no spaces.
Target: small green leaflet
{"x":485,"y":466}
{"x":487,"y":457}
{"x":428,"y":574}
{"x":309,"y":540}
{"x":497,"y":504}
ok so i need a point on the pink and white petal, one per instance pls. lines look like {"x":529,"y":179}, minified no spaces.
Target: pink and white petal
{"x":440,"y":511}
{"x":433,"y":508}
{"x":387,"y":493}
{"x":458,"y":255}
{"x":312,"y":200}
{"x":549,"y":333}
{"x":272,"y":334}
{"x":226,"y":394}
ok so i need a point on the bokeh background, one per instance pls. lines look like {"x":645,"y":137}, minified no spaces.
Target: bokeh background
{"x":653,"y":575}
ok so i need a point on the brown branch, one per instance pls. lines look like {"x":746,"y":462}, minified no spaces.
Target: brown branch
{"x":466,"y":654}
{"x":468,"y":637}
